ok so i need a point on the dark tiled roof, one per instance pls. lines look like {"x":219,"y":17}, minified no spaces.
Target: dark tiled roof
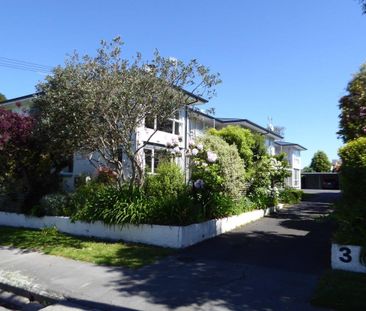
{"x":198,"y":98}
{"x":18,"y":98}
{"x":287,"y":144}
{"x":236,"y":120}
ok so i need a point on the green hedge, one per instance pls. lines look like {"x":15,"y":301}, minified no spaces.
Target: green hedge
{"x":353,"y":170}
{"x":350,"y":212}
{"x":290,"y":196}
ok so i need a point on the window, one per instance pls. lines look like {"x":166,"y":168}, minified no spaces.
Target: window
{"x":152,"y":158}
{"x":150,"y":122}
{"x":172,"y":125}
{"x":166,"y":126}
{"x":148,"y":160}
{"x":296,"y":177}
{"x":69,"y":168}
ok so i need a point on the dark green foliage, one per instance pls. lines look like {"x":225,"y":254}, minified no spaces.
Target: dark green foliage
{"x":351,"y":220}
{"x":262,"y":197}
{"x":121,"y":205}
{"x":168,"y":181}
{"x":320,"y":162}
{"x":242,"y":138}
{"x":259,"y":147}
{"x":350,"y":212}
{"x":227,"y":174}
{"x":54,"y":204}
{"x":341,"y":291}
{"x":352,"y":122}
{"x":307,"y":169}
{"x":109,"y":204}
{"x":290,"y":195}
{"x":224,"y":206}
{"x":165,"y":200}
{"x":353,"y":170}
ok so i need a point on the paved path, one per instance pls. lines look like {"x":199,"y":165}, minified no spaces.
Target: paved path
{"x":270,"y":265}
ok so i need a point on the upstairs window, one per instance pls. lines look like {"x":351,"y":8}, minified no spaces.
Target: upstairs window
{"x":150,"y":122}
{"x":172,"y":125}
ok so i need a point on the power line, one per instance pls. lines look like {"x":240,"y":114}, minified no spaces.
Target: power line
{"x":24,"y":65}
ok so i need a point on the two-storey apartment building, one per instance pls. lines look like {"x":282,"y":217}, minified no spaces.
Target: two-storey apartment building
{"x":186,"y":124}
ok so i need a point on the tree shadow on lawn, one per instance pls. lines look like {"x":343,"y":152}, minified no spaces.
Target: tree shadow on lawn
{"x":32,"y":239}
{"x":101,"y":252}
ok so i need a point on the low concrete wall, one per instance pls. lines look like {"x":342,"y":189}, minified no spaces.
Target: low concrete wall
{"x":166,"y":236}
{"x":347,"y":257}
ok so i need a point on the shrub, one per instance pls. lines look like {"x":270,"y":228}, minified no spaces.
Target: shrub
{"x":56,"y":204}
{"x":350,"y":212}
{"x":269,"y":173}
{"x":290,"y":195}
{"x":108,"y":203}
{"x":105,"y":175}
{"x":219,"y":166}
{"x":224,"y":206}
{"x":353,"y":170}
{"x":262,"y":197}
{"x":242,"y":138}
{"x":170,"y":200}
{"x":114,"y":205}
{"x":168,"y":181}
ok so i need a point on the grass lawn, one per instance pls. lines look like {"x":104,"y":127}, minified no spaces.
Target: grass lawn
{"x":50,"y":241}
{"x":341,"y":291}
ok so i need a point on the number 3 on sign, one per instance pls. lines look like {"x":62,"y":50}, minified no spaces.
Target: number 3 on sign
{"x":346,"y":254}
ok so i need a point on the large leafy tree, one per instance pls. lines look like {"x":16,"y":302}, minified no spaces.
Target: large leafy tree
{"x":353,"y":108}
{"x":320,"y":162}
{"x":95,"y":104}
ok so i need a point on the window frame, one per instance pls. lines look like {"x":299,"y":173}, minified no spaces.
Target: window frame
{"x":153,"y":165}
{"x":177,"y":124}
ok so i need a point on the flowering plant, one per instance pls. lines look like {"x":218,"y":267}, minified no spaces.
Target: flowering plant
{"x":215,"y":167}
{"x":106,"y":175}
{"x":173,"y":147}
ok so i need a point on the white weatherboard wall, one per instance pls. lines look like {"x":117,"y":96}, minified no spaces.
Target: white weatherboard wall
{"x":347,"y":257}
{"x":166,"y":236}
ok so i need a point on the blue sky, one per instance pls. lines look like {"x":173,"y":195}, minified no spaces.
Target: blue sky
{"x":285,"y":59}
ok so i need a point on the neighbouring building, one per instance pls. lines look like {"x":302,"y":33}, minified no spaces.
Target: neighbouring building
{"x":320,"y":180}
{"x":186,"y":124}
{"x":293,"y":152}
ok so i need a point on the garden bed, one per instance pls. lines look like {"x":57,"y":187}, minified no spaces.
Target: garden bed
{"x":166,"y":236}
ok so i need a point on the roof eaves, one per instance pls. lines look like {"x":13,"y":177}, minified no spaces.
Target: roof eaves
{"x":266,"y":131}
{"x":11,"y":100}
{"x":198,"y":98}
{"x":285,"y":144}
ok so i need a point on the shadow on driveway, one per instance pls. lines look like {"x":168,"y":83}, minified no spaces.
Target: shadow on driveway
{"x":272,"y":264}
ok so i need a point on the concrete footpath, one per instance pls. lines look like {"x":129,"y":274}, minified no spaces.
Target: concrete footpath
{"x":272,"y":264}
